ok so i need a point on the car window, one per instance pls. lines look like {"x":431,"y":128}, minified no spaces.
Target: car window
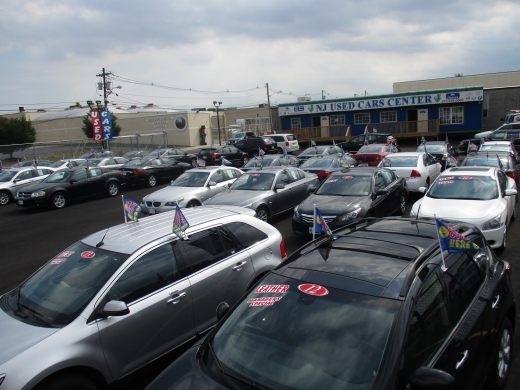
{"x":380,"y":182}
{"x":80,"y":174}
{"x":120,"y":160}
{"x":499,"y":135}
{"x":24,"y":175}
{"x":153,"y":271}
{"x":389,"y":176}
{"x":240,"y":144}
{"x":246,"y":234}
{"x":203,"y":249}
{"x":502,"y":179}
{"x":233,"y":149}
{"x":230,"y":174}
{"x":217,"y":177}
{"x":41,"y":172}
{"x":282,"y":178}
{"x":290,"y":137}
{"x":359,"y":138}
{"x":294,"y":175}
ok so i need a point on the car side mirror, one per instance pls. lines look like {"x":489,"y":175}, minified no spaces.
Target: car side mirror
{"x":212,"y":183}
{"x":381,"y":192}
{"x":430,"y":378}
{"x":73,"y":181}
{"x":115,"y":309}
{"x":510,"y":192}
{"x":279,"y":186}
{"x":422,"y":189}
{"x":222,"y":309}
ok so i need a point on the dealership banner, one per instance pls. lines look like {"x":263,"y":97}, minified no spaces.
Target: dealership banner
{"x":101,"y":125}
{"x":388,"y":102}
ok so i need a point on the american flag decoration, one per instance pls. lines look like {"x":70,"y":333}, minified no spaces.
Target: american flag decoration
{"x":260,"y":152}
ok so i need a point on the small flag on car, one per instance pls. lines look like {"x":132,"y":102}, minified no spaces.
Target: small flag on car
{"x":257,"y":163}
{"x":500,"y":165}
{"x":260,"y":152}
{"x":131,"y":209}
{"x":313,"y":143}
{"x":201,"y":162}
{"x":451,"y":161}
{"x":320,"y":226}
{"x":180,"y":223}
{"x":472,"y":147}
{"x":285,"y":152}
{"x":343,"y":162}
{"x":225,"y":161}
{"x":385,"y":163}
{"x":452,"y":241}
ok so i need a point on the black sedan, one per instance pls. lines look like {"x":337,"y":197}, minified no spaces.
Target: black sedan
{"x":150,"y":171}
{"x":271,"y":160}
{"x":213,"y":155}
{"x":350,"y":194}
{"x":323,"y":166}
{"x":320,"y":150}
{"x":179,"y":155}
{"x":65,"y":185}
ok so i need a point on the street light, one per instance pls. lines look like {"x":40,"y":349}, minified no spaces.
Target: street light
{"x":218,"y":119}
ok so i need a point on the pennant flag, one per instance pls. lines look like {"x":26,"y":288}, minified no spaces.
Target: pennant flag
{"x":68,"y":164}
{"x":36,"y":165}
{"x":320,"y":226}
{"x":19,"y":164}
{"x":201,"y":162}
{"x":343,"y":162}
{"x":285,"y":152}
{"x":180,"y":224}
{"x":132,"y":210}
{"x":500,"y":165}
{"x":257,"y":163}
{"x":158,"y":150}
{"x":291,"y":160}
{"x":366,"y":141}
{"x":225,"y":161}
{"x":452,"y":241}
{"x":385,"y":163}
{"x":24,"y":158}
{"x":446,"y":138}
{"x":450,"y":161}
{"x":512,"y":140}
{"x":260,"y":151}
{"x":423,"y":140}
{"x":482,"y":140}
{"x":472,"y":147}
{"x":333,"y":142}
{"x":313,"y":143}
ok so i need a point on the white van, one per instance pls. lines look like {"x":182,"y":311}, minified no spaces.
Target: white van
{"x":285,"y":141}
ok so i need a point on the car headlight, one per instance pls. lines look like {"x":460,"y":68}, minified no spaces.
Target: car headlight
{"x":174,"y":203}
{"x":296,"y":214}
{"x":493,"y":223}
{"x":350,"y":215}
{"x":38,"y":194}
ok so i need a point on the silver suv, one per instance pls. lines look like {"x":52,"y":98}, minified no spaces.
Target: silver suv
{"x":122,"y":297}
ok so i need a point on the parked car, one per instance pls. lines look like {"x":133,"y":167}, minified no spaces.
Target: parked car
{"x":482,"y":196}
{"x":151,"y":171}
{"x":499,"y":146}
{"x":190,"y":189}
{"x":358,"y":141}
{"x":135,"y":154}
{"x":213,"y":155}
{"x":378,"y":308}
{"x":419,"y":169}
{"x":124,"y":296}
{"x":11,"y":180}
{"x":69,"y":184}
{"x":438,"y":149}
{"x":504,"y":132}
{"x":323,"y":166}
{"x":68,"y":163}
{"x":106,"y":153}
{"x":320,"y":150}
{"x":108,"y":162}
{"x":252,"y":145}
{"x":180,"y":155}
{"x":371,"y":155}
{"x":32,"y":163}
{"x":489,"y":159}
{"x":270,"y":191}
{"x":287,"y":142}
{"x":272,"y":160}
{"x":238,"y":136}
{"x":351,"y":194}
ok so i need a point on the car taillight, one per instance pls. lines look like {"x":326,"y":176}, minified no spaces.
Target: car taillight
{"x":415,"y":173}
{"x":138,"y":171}
{"x":214,"y":156}
{"x":286,"y":143}
{"x":512,"y":175}
{"x":323,"y":175}
{"x":507,"y":268}
{"x":283,"y":252}
{"x":264,"y":147}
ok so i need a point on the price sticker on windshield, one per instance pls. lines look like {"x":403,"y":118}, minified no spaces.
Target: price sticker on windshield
{"x":465,"y":178}
{"x":88,"y":254}
{"x":313,"y":289}
{"x":331,"y":181}
{"x":347,"y":177}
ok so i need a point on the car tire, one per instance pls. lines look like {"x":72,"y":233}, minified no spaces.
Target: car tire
{"x":501,"y":365}
{"x":152,"y":181}
{"x":193,"y":203}
{"x":113,"y":188}
{"x":402,"y":203}
{"x":262,"y":214}
{"x":5,"y":198}
{"x":67,"y":381}
{"x":59,"y":200}
{"x":193,"y":163}
{"x":280,"y":151}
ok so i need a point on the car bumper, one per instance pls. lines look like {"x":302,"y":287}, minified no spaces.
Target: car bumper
{"x":31,"y":202}
{"x":495,"y":237}
{"x":413,"y":184}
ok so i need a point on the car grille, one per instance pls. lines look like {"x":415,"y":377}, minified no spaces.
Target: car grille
{"x":308,"y":218}
{"x":152,"y":204}
{"x":24,"y":195}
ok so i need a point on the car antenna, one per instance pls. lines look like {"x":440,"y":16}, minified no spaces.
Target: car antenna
{"x":101,"y":243}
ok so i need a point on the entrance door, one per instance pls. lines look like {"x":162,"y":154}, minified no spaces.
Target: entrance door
{"x":324,"y":126}
{"x":412,"y":121}
{"x":422,"y":120}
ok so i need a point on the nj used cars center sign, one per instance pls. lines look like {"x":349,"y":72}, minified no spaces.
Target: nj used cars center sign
{"x":101,"y":125}
{"x":383,"y":102}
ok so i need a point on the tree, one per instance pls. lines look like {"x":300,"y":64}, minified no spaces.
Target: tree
{"x":15,"y":134}
{"x":87,"y":126}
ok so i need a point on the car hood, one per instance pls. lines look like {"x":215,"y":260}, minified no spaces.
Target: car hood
{"x":172,"y":193}
{"x":16,"y":336}
{"x":39,"y":186}
{"x":238,"y":197}
{"x":328,"y":204}
{"x":463,"y":209}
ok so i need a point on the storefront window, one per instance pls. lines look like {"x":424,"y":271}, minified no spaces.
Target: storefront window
{"x":361,"y":118}
{"x":337,"y":120}
{"x":295,"y":123}
{"x":388,"y":116}
{"x":451,"y":115}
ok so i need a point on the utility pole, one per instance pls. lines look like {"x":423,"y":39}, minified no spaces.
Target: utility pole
{"x":269,"y":108}
{"x":105,"y":95}
{"x":322,"y":94}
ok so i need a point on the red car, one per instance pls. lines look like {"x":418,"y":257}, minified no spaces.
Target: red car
{"x":372,"y":154}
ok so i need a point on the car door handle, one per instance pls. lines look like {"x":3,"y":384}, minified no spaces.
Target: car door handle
{"x":462,"y":359}
{"x":176,"y":297}
{"x":495,"y":301}
{"x":239,"y":266}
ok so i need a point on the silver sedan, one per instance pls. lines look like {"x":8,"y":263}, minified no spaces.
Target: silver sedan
{"x":190,"y":189}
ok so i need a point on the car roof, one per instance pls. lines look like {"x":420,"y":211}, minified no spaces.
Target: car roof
{"x":357,"y":171}
{"x":507,"y":142}
{"x":475,"y":171}
{"x":210,"y":168}
{"x":405,"y":154}
{"x":128,"y":237}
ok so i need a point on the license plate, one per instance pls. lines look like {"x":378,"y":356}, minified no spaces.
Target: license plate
{"x":363,"y":165}
{"x":151,"y":211}
{"x":204,"y":157}
{"x":20,"y":202}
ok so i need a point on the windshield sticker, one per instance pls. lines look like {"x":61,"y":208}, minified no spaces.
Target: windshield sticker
{"x":347,"y":177}
{"x":88,"y":254}
{"x":273,"y":288}
{"x":331,"y":181}
{"x":241,"y":178}
{"x":313,"y":289}
{"x":57,"y":261}
{"x":446,"y":178}
{"x":265,"y":301}
{"x":255,"y":174}
{"x":446,"y":182}
{"x":66,"y":254}
{"x":465,"y":178}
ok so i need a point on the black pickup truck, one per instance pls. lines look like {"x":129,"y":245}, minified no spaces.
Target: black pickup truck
{"x":503,"y":133}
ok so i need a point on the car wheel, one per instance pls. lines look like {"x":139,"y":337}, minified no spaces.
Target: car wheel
{"x":113,"y":189}
{"x":194,"y":163}
{"x":193,"y":203}
{"x":402,"y":204}
{"x":262,"y":213}
{"x":152,"y":181}
{"x":59,"y":200}
{"x":5,"y":198}
{"x":67,"y":381}
{"x":502,"y":360}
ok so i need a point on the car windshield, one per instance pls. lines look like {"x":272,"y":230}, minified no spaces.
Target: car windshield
{"x":432,"y":148}
{"x":238,"y":135}
{"x":282,"y":337}
{"x":7,"y":175}
{"x":346,"y":185}
{"x":371,"y":149}
{"x":254,"y":181}
{"x":313,"y":163}
{"x":486,"y":162}
{"x":191,"y":179}
{"x":502,"y":148}
{"x":265,"y":162}
{"x":314,"y":150}
{"x":94,"y":162}
{"x":207,"y":151}
{"x":136,"y":163}
{"x":464,"y":187}
{"x":58,"y":177}
{"x":58,"y":164}
{"x":57,"y":293}
{"x":402,"y":161}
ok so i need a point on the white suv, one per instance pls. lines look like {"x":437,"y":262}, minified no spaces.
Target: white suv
{"x":285,"y":141}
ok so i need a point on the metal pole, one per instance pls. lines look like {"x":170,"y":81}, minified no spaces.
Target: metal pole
{"x":218,"y":126}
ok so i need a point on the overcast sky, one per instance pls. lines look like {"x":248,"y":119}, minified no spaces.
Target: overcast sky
{"x":157,"y":50}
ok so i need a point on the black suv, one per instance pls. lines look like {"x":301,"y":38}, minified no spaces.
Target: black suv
{"x":376,"y":306}
{"x":252,"y":145}
{"x":358,"y":141}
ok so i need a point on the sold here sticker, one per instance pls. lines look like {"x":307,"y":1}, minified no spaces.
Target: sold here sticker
{"x":313,"y":289}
